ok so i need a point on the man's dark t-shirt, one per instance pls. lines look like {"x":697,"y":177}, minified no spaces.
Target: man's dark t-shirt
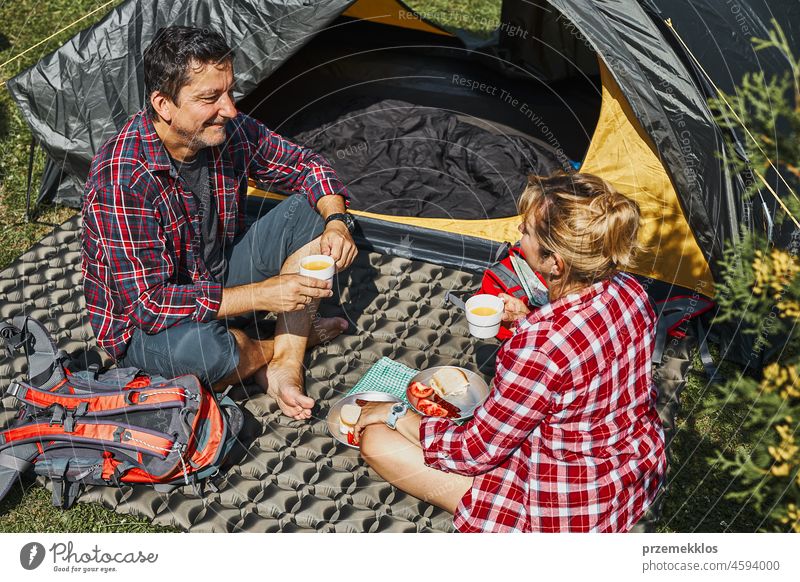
{"x":195,"y":176}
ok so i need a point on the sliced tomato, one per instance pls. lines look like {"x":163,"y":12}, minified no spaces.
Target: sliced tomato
{"x":436,"y":410}
{"x":423,"y":404}
{"x":351,"y":439}
{"x":429,"y":408}
{"x":420,"y":390}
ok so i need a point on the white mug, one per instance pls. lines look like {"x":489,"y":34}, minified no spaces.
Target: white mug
{"x":323,"y":267}
{"x":484,"y":326}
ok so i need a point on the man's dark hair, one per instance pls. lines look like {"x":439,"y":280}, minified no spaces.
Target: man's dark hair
{"x":167,"y":59}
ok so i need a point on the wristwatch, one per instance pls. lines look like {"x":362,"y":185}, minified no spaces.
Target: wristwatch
{"x":344,"y":217}
{"x":397,"y":412}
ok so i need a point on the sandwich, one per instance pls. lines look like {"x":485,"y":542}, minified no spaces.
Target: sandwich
{"x":348,"y":417}
{"x":449,"y":382}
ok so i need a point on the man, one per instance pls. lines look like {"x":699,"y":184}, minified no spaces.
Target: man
{"x":166,"y":256}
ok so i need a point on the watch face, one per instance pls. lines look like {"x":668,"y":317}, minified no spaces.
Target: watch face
{"x":398,"y":407}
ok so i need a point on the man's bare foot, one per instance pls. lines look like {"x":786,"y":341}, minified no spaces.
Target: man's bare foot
{"x":324,"y":329}
{"x":285,"y":385}
{"x":284,"y":381}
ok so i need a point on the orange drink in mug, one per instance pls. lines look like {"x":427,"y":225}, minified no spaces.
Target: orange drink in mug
{"x":318,"y":266}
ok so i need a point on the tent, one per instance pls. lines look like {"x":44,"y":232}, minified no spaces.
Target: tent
{"x":615,"y":87}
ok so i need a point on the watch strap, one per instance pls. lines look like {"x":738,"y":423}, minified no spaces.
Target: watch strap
{"x":397,"y":412}
{"x":344,"y":217}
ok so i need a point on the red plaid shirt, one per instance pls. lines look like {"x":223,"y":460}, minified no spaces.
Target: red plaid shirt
{"x":142,"y":258}
{"x":569,"y":438}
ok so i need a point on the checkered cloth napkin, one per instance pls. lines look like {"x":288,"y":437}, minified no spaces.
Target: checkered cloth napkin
{"x":388,"y":376}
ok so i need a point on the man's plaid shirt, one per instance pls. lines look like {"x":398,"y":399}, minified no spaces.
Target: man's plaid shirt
{"x":142,"y":259}
{"x":569,"y":438}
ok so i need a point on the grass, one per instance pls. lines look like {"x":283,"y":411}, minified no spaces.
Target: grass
{"x":696,"y":499}
{"x":29,"y":509}
{"x":477,"y":17}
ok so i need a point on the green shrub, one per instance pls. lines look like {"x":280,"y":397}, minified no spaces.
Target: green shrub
{"x":760,"y":294}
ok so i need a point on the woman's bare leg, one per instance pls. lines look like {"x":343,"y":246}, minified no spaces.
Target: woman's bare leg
{"x":401,"y":463}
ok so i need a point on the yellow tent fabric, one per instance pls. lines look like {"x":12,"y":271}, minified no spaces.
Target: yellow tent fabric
{"x":623,"y":155}
{"x":392,"y":13}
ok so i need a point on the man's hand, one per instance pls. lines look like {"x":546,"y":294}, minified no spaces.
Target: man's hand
{"x":277,"y":294}
{"x":337,"y":242}
{"x":290,"y":292}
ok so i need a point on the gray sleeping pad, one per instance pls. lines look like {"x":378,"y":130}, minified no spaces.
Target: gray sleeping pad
{"x":294,"y":475}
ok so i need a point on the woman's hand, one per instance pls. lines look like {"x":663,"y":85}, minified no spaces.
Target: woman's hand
{"x":371,"y":413}
{"x":513,"y":308}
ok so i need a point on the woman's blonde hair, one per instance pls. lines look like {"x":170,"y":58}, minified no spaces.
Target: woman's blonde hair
{"x":582,"y":218}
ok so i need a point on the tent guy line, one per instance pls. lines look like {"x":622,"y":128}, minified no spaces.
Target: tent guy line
{"x":668,"y":22}
{"x":55,"y":34}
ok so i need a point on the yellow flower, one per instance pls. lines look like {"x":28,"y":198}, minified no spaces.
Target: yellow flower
{"x":786,"y":453}
{"x":788,"y":309}
{"x":775,"y":273}
{"x":784,"y":381}
{"x":781,"y":470}
{"x":762,"y":273}
{"x":792,"y":516}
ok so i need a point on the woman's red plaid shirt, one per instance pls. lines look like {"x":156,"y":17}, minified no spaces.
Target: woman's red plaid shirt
{"x":569,"y":438}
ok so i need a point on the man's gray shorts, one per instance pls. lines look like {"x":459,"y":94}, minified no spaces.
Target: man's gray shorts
{"x":208,"y":349}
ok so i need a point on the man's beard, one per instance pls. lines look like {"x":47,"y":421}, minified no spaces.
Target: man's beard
{"x":197,"y":140}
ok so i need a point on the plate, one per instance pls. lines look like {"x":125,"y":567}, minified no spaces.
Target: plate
{"x":477,"y":392}
{"x":333,"y":414}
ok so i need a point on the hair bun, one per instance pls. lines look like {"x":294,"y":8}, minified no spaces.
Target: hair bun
{"x":622,"y":218}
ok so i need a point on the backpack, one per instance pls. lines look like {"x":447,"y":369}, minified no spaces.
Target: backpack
{"x":502,"y":277}
{"x":112,"y":428}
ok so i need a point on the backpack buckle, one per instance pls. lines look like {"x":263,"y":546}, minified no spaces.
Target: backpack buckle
{"x":13,"y":338}
{"x":65,"y":492}
{"x":13,"y":389}
{"x":94,"y":369}
{"x":65,"y":417}
{"x":58,"y":415}
{"x":121,"y":434}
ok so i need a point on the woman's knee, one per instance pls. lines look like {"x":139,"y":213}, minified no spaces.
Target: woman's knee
{"x":373,"y":445}
{"x":388,"y":452}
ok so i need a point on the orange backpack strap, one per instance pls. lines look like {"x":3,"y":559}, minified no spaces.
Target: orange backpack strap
{"x":109,"y":434}
{"x":112,"y":403}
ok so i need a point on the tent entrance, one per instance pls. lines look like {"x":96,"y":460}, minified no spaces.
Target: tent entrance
{"x":418,"y":126}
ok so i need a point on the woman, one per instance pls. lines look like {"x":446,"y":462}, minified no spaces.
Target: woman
{"x":569,"y":438}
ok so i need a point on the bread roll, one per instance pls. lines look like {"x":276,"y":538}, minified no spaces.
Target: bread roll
{"x":449,"y":382}
{"x":348,"y":417}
